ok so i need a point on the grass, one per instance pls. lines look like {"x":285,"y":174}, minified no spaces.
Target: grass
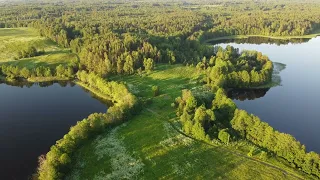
{"x":151,"y":140}
{"x":13,"y":40}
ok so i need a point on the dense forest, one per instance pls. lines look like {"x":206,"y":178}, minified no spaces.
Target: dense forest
{"x":115,"y":38}
{"x":129,"y":37}
{"x":230,"y":69}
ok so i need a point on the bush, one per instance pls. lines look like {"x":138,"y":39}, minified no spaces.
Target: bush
{"x":224,"y":136}
{"x":263,"y":156}
{"x":155,"y":90}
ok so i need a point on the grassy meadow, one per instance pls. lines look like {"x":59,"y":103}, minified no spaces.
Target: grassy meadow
{"x":151,"y":146}
{"x":13,"y":40}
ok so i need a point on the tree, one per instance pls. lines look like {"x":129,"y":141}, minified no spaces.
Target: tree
{"x":224,"y":136}
{"x":191,"y":103}
{"x":60,"y":70}
{"x":128,"y":65}
{"x":47,"y":72}
{"x":250,"y":153}
{"x":25,"y":72}
{"x":188,"y":127}
{"x":263,"y":156}
{"x":148,"y":64}
{"x":200,"y":115}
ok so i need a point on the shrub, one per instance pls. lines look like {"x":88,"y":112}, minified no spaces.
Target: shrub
{"x":155,"y":90}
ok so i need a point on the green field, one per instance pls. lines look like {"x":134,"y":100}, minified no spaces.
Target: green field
{"x":13,"y":40}
{"x":151,"y":146}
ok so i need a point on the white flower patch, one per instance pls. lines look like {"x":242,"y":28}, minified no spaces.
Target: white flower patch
{"x":123,"y":165}
{"x":133,"y":89}
{"x":174,"y":138}
{"x":170,"y":132}
{"x":177,"y":170}
{"x":177,"y":141}
{"x":180,"y":169}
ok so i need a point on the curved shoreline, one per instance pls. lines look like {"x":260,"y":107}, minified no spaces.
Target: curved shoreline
{"x":309,"y":36}
{"x":93,"y":91}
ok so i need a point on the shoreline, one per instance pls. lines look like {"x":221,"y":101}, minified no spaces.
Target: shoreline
{"x":58,"y":79}
{"x":309,"y":36}
{"x":94,"y":91}
{"x":46,"y":79}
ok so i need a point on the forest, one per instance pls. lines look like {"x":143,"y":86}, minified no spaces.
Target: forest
{"x":116,"y":41}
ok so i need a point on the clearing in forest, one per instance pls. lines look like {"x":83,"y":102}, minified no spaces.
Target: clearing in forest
{"x":15,"y":40}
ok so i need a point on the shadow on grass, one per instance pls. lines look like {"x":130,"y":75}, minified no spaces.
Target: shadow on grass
{"x":60,"y":51}
{"x":143,"y":135}
{"x":171,"y":86}
{"x":30,"y":63}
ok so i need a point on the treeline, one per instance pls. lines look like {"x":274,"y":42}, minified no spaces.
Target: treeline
{"x":107,"y":52}
{"x":29,"y":52}
{"x":261,"y":40}
{"x":259,"y":18}
{"x":27,"y":84}
{"x":283,"y":145}
{"x":206,"y":117}
{"x":232,"y":69}
{"x":117,"y":42}
{"x":56,"y":163}
{"x":15,"y":72}
{"x":115,"y":39}
{"x":114,"y":55}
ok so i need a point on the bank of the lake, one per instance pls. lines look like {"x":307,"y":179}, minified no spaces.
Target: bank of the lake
{"x":291,"y":107}
{"x":34,"y":117}
{"x":48,"y":79}
{"x":212,"y":40}
{"x":94,"y":91}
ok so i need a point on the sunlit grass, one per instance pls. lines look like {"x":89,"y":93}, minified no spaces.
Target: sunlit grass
{"x":13,"y":40}
{"x":164,"y":151}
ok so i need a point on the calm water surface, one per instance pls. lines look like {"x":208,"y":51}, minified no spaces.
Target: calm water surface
{"x":34,"y":118}
{"x":293,"y":107}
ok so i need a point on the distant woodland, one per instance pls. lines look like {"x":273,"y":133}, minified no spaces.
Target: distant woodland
{"x":116,"y":37}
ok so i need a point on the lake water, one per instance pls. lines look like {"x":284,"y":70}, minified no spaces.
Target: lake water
{"x":294,"y":106}
{"x":32,"y":118}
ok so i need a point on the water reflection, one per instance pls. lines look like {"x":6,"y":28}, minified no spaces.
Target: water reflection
{"x":247,"y":94}
{"x":261,"y":40}
{"x":292,"y":107}
{"x":27,"y":84}
{"x":33,"y":116}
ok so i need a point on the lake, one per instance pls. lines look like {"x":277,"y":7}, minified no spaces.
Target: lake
{"x":292,"y":107}
{"x":33,"y":117}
